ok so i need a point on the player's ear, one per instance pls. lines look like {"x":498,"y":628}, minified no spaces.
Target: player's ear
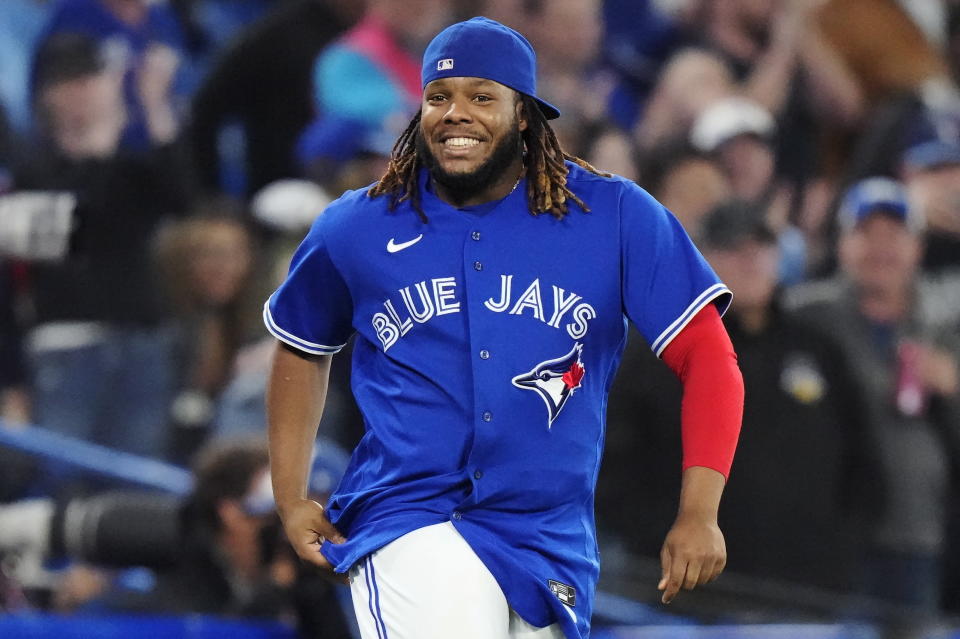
{"x":521,"y":112}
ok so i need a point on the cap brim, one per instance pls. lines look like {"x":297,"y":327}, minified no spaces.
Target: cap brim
{"x":549,"y":111}
{"x":932,"y":154}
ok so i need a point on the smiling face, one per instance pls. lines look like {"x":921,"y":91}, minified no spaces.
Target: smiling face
{"x":470,"y":137}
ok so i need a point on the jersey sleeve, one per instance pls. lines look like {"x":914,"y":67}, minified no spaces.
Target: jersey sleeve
{"x":666,"y":280}
{"x":312,"y":310}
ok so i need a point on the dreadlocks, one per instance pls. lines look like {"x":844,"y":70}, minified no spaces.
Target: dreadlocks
{"x":400,"y":179}
{"x":547,"y":190}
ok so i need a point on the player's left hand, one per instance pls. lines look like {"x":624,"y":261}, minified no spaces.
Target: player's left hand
{"x":694,"y":553}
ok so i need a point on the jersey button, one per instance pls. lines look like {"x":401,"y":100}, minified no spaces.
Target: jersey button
{"x":476,"y":236}
{"x":478,"y":266}
{"x":484,"y":354}
{"x":457,"y":515}
{"x":487,"y":416}
{"x":477,"y":474}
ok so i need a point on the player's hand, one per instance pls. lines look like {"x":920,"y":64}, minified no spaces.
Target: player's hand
{"x":307,"y":528}
{"x":694,"y":553}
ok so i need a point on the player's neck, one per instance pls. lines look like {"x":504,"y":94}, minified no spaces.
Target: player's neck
{"x":496,"y":190}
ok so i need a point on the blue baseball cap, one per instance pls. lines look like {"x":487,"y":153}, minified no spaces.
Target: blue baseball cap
{"x":932,"y":154}
{"x":484,"y":48}
{"x":877,"y":195}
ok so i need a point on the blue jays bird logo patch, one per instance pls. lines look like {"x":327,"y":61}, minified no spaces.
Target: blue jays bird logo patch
{"x":554,"y":380}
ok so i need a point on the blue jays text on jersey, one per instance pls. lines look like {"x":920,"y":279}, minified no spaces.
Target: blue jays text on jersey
{"x":484,"y":353}
{"x":439,"y":297}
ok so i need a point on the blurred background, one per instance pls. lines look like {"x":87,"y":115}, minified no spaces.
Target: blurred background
{"x":160,"y":159}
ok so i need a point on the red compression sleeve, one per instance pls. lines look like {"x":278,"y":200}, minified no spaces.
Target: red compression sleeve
{"x":702,"y":357}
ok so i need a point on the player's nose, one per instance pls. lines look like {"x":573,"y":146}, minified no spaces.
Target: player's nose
{"x":457,"y":112}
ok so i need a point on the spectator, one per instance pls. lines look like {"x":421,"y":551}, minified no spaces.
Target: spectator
{"x":900,"y":333}
{"x":261,"y":83}
{"x":805,"y":413}
{"x":741,"y":135}
{"x":287,"y":208}
{"x":224,"y":569}
{"x":639,"y":36}
{"x":614,"y":150}
{"x":367,"y":85}
{"x":783,"y":521}
{"x":772,"y":53}
{"x":216,"y":551}
{"x":207,"y":264}
{"x":241,"y":408}
{"x":566,"y":35}
{"x":768,"y":43}
{"x":931,"y":173}
{"x":142,"y":38}
{"x":687,"y":182}
{"x":690,"y":81}
{"x":99,"y":347}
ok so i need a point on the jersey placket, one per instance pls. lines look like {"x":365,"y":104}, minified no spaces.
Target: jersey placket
{"x":481,"y":268}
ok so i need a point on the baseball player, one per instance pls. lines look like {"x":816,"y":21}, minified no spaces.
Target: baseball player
{"x":487,"y":279}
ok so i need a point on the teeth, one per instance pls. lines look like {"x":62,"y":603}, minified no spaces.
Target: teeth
{"x":461,"y":142}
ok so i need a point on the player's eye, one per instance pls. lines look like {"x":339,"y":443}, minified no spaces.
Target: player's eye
{"x":436,"y":98}
{"x":482,"y":98}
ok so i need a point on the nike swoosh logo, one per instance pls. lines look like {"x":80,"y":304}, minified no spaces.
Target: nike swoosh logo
{"x":392,"y":247}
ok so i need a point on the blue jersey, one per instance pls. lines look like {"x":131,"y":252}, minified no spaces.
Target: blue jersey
{"x":486,"y":343}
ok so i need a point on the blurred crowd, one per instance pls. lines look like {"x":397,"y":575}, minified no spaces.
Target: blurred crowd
{"x":160,"y":159}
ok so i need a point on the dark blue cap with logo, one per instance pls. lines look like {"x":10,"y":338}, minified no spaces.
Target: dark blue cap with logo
{"x":484,"y":48}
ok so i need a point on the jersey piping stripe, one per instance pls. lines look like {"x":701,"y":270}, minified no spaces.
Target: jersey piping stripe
{"x":293,"y":340}
{"x":366,"y":575}
{"x":376,"y":595}
{"x":702,"y":300}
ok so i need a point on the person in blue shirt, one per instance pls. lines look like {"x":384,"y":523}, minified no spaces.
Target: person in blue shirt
{"x":144,"y":39}
{"x":487,"y":280}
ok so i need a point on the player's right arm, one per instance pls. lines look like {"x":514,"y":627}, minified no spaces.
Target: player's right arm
{"x":296,"y":393}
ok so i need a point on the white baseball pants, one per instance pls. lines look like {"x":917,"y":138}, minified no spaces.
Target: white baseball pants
{"x":429,"y":584}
